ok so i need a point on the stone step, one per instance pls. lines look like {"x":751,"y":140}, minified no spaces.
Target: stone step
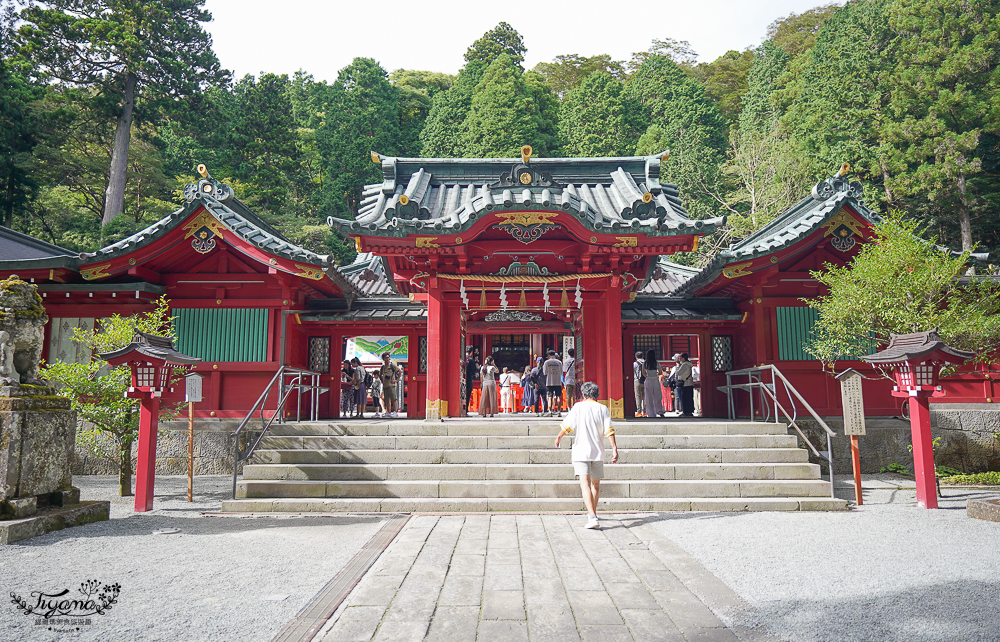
{"x":404,"y":428}
{"x":251,"y":489}
{"x":624,"y":440}
{"x":530,"y":456}
{"x":534,"y":505}
{"x":524,"y":472}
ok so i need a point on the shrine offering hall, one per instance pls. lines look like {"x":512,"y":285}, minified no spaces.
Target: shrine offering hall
{"x":510,"y":257}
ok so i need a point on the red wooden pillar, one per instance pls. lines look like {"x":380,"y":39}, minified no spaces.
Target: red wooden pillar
{"x":923,"y":452}
{"x":145,"y":473}
{"x":595,"y":340}
{"x":613,"y":351}
{"x":336,"y":363}
{"x":444,"y":362}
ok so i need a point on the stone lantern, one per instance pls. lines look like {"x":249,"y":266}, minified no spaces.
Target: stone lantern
{"x":917,"y":360}
{"x":152,"y":360}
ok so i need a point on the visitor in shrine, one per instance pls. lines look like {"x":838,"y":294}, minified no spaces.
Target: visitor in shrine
{"x":471,"y":368}
{"x":360,"y":387}
{"x":590,"y":422}
{"x":685,"y":385}
{"x":569,"y":376}
{"x":488,"y":403}
{"x":528,"y":393}
{"x":652,"y":392}
{"x":553,"y":382}
{"x":639,"y":384}
{"x":508,"y":380}
{"x":378,"y":404}
{"x":538,"y":383}
{"x":347,"y":396}
{"x":389,"y":373}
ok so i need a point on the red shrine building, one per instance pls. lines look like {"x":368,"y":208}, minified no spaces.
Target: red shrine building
{"x":508,"y":256}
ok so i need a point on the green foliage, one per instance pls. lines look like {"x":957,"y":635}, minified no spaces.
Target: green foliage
{"x":262,"y":144}
{"x":991,"y":478}
{"x":567,"y":71}
{"x":362,"y":115}
{"x":598,"y":119}
{"x":502,"y":114}
{"x":416,"y":92}
{"x":797,"y":32}
{"x":899,"y":469}
{"x":501,"y":39}
{"x":897,"y":284}
{"x":146,"y":52}
{"x":725,"y":80}
{"x":679,"y":51}
{"x":946,"y":96}
{"x":97,"y":393}
{"x":681,"y":118}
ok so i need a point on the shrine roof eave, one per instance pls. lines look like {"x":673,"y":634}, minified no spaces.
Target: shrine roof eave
{"x":916,"y":346}
{"x":219,"y":201}
{"x":447,"y":196}
{"x":138,"y":286}
{"x":16,"y":247}
{"x":44,"y":263}
{"x":789,"y":228}
{"x":668,"y":308}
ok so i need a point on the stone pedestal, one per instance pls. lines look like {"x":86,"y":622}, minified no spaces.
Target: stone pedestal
{"x":37,"y":437}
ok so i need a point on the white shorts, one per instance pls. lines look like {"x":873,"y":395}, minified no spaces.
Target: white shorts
{"x":593,"y":468}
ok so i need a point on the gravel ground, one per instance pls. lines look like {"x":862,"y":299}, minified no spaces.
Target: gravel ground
{"x":219,"y":578}
{"x":882,"y":572}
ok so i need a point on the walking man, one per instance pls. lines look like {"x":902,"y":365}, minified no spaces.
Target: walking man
{"x":569,"y":377}
{"x":590,"y":422}
{"x":553,"y":382}
{"x":389,"y":372}
{"x":639,"y":385}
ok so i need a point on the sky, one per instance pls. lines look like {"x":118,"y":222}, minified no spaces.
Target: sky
{"x":323,"y":36}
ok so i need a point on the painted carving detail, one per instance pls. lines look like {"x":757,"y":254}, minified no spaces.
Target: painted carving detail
{"x":740,"y":269}
{"x":842,"y":227}
{"x":526,"y":227}
{"x":516,"y":268}
{"x":501,"y":316}
{"x":202,"y":231}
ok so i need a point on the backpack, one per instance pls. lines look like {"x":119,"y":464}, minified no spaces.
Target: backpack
{"x":368,"y":379}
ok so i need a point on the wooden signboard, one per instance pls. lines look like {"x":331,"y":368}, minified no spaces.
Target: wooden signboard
{"x":853,"y":403}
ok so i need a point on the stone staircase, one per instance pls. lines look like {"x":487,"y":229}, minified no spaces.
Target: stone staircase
{"x":510,"y":464}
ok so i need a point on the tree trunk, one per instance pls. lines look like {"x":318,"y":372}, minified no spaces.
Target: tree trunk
{"x":125,"y":468}
{"x":885,"y":186}
{"x":114,"y":197}
{"x":8,"y":206}
{"x":964,"y":222}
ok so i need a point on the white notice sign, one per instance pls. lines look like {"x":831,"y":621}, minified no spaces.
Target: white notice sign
{"x":192,"y":388}
{"x":854,"y":405}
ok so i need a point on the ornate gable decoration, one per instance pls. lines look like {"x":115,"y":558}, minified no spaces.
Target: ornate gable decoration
{"x":512,"y":315}
{"x":203,"y":228}
{"x":516,"y":268}
{"x":842,"y":227}
{"x":524,"y":175}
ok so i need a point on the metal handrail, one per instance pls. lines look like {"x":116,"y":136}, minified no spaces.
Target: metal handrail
{"x":755,"y":380}
{"x":285,"y":389}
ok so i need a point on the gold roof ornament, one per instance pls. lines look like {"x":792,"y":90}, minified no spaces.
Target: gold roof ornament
{"x":526,"y":154}
{"x":846,"y":167}
{"x":665,"y":157}
{"x":203,"y":170}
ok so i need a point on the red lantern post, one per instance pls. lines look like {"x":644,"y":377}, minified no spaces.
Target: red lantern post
{"x":151,"y":360}
{"x":917,"y":360}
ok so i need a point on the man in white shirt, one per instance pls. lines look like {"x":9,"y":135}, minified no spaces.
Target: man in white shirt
{"x":590,"y":422}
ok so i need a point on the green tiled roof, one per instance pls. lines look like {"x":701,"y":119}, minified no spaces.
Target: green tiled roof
{"x":446,"y":196}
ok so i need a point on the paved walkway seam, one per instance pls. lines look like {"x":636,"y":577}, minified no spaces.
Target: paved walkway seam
{"x":314,"y":615}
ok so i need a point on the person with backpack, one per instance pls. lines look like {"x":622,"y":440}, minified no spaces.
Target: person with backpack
{"x":362,"y":379}
{"x":538,"y":383}
{"x":528,"y":392}
{"x":553,"y":382}
{"x":389,"y":373}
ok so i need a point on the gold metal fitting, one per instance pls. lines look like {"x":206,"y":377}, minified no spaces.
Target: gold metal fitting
{"x":376,"y":159}
{"x":526,"y":154}
{"x":647,"y":197}
{"x":846,"y":167}
{"x":203,"y":170}
{"x":666,"y":155}
{"x":403,"y":199}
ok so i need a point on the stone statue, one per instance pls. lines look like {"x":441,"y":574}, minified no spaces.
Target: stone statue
{"x":22,"y":332}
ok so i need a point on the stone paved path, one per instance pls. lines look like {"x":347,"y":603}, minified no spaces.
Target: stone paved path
{"x":538,"y":578}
